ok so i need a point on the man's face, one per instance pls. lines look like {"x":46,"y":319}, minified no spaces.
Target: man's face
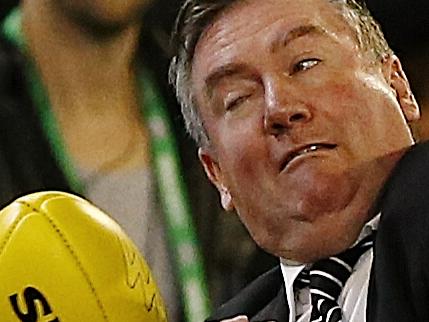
{"x":298,"y":123}
{"x":111,"y":12}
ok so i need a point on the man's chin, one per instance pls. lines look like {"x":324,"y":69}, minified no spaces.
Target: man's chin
{"x":307,"y":255}
{"x":312,"y":241}
{"x":322,"y":194}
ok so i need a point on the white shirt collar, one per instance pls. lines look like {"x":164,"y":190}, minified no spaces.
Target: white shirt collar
{"x":290,"y":270}
{"x":290,"y":273}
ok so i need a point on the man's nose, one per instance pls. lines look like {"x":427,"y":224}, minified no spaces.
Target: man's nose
{"x":285,"y":107}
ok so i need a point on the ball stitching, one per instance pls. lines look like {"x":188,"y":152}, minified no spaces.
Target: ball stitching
{"x":73,"y":253}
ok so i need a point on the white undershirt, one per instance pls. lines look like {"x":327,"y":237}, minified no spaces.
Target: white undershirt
{"x":353,"y":297}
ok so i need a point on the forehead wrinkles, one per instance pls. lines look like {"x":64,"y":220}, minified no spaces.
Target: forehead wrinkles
{"x":238,"y":20}
{"x":248,"y":18}
{"x":230,"y":27}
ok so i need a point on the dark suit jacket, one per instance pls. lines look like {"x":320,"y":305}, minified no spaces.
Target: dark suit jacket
{"x":399,"y":282}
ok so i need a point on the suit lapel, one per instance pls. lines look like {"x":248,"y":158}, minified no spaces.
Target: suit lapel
{"x":262,"y":300}
{"x":276,"y":310}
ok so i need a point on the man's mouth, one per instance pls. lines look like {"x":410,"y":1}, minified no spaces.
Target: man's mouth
{"x":306,"y":149}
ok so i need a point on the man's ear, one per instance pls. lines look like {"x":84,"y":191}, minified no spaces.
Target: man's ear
{"x":214,"y":173}
{"x":396,"y":78}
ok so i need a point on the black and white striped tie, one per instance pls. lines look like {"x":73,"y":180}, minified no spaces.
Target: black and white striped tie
{"x":327,"y":278}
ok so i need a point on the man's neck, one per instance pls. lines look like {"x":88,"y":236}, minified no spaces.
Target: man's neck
{"x":90,"y":81}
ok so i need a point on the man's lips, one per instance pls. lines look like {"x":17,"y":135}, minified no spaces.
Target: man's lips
{"x":305,"y":149}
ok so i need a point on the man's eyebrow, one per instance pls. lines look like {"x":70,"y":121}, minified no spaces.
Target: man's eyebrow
{"x":219,"y":73}
{"x":280,"y":40}
{"x":284,"y":39}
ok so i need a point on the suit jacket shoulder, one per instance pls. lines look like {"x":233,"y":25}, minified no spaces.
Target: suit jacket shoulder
{"x":399,"y":285}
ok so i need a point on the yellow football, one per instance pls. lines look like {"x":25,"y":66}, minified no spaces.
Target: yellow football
{"x":64,"y":260}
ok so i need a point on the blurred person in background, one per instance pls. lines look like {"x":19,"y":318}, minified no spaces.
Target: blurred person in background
{"x":73,"y":121}
{"x":83,"y":108}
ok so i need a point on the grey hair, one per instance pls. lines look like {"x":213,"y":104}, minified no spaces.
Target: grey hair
{"x":196,"y":15}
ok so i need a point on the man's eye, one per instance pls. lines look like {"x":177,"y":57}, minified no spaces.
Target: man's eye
{"x":230,"y":105}
{"x":305,"y":64}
